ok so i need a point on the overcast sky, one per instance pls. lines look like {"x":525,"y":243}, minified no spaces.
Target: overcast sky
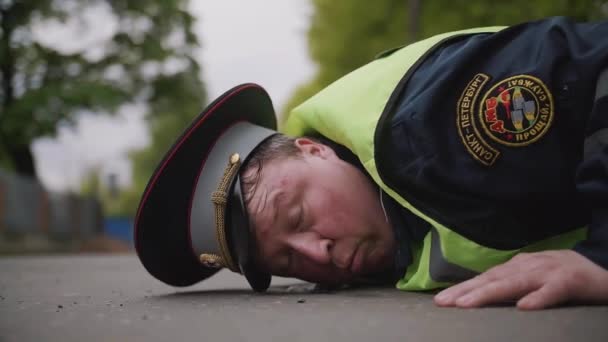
{"x":261,"y":41}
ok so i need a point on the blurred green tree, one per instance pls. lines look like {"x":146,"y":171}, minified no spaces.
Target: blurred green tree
{"x":147,"y":59}
{"x":344,"y":35}
{"x":120,"y":204}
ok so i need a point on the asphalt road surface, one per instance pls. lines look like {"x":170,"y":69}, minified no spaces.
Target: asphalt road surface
{"x":112,"y":298}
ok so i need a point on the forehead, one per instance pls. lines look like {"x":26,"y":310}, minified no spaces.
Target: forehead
{"x":273,"y":182}
{"x":273,"y":188}
{"x":265,"y":172}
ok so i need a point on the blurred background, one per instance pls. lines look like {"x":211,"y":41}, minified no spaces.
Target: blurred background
{"x":93,"y":92}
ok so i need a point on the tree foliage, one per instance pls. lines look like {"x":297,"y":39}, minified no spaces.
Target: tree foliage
{"x":344,"y":35}
{"x":347,"y":34}
{"x":147,"y":59}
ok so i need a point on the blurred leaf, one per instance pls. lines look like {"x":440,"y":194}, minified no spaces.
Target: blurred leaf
{"x":44,"y":87}
{"x":347,"y":34}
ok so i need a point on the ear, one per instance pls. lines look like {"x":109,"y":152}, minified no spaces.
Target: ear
{"x":310,"y":147}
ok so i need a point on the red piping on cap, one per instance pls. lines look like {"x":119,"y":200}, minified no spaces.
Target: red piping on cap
{"x":174,"y":150}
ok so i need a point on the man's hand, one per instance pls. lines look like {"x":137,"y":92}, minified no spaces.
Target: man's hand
{"x":534,"y":280}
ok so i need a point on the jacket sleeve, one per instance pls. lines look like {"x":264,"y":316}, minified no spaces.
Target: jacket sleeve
{"x":592,"y":184}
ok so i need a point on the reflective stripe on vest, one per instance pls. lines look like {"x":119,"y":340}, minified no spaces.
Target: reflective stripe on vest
{"x":440,"y":269}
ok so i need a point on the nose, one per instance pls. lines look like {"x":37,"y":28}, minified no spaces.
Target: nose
{"x":312,"y":246}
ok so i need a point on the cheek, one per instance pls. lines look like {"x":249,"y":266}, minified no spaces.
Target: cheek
{"x":336,"y":225}
{"x":333,"y":215}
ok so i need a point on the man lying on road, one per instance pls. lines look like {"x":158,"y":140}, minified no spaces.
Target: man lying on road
{"x":477,"y":158}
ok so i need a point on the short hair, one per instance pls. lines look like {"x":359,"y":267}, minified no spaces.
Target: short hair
{"x":277,"y":146}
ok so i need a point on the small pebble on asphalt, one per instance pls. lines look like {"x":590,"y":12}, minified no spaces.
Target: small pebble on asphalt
{"x":301,"y":300}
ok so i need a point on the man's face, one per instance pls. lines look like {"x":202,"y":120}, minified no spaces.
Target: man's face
{"x":319,"y":218}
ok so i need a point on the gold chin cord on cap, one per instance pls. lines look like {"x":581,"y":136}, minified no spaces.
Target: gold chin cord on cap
{"x":220,"y":200}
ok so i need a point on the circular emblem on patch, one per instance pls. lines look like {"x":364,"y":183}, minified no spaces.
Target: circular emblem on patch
{"x":517,"y":111}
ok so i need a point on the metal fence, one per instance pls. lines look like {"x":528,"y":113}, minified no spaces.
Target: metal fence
{"x":26,"y":207}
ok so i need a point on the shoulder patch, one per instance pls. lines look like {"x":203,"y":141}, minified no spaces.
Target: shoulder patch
{"x":469,"y":134}
{"x":517,"y":111}
{"x":514,"y":112}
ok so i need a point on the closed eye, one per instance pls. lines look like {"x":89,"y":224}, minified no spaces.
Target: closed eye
{"x":295,"y":220}
{"x":290,"y":254}
{"x":299,"y":222}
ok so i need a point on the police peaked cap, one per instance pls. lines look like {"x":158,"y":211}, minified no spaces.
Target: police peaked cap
{"x":192,"y":220}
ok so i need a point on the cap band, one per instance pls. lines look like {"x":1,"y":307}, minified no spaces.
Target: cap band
{"x":215,"y":231}
{"x":220,"y":198}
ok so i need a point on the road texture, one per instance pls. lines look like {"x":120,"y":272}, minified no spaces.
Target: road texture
{"x":112,"y":298}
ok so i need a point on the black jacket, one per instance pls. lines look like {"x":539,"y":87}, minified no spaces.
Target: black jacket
{"x":490,"y":132}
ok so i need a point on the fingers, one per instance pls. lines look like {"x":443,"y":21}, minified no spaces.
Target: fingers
{"x":487,"y":291}
{"x":550,"y":294}
{"x":538,"y":280}
{"x":498,"y":291}
{"x":449,"y":296}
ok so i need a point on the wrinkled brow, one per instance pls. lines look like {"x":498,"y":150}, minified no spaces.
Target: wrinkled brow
{"x":263,"y":206}
{"x":255,"y":212}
